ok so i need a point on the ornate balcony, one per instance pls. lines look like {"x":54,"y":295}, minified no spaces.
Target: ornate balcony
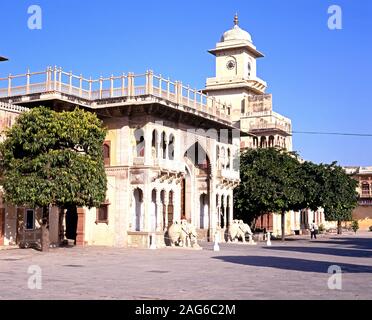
{"x":53,"y":83}
{"x":270,"y":127}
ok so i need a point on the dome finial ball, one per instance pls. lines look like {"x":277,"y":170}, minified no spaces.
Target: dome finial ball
{"x":236,"y":20}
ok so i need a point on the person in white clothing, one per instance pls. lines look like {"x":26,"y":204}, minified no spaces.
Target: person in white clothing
{"x":313,"y":230}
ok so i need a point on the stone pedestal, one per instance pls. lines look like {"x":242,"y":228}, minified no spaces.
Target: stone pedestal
{"x":80,"y":227}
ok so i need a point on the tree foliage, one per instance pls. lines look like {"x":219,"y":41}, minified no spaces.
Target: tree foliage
{"x":274,"y":181}
{"x":270,"y":182}
{"x":340,"y":195}
{"x":54,"y":158}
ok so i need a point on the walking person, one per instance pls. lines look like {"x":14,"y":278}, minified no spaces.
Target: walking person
{"x":313,"y":230}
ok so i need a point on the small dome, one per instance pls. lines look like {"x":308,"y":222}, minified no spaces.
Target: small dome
{"x":236,"y":33}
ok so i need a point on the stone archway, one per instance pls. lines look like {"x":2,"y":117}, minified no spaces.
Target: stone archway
{"x":195,"y":183}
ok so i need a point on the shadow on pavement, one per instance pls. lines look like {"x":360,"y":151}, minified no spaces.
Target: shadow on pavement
{"x":357,"y":253}
{"x":359,"y":243}
{"x":293,"y":264}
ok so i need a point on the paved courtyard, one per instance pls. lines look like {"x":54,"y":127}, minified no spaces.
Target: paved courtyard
{"x":296,"y":269}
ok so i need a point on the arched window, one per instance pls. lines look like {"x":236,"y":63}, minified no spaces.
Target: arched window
{"x":218,"y":161}
{"x":163,"y":145}
{"x":242,"y":108}
{"x":365,"y":189}
{"x":223,"y":157}
{"x":228,"y":158}
{"x":171,"y":147}
{"x":271,"y":141}
{"x":263,"y":142}
{"x":140,"y":143}
{"x":106,"y":153}
{"x":154,"y":143}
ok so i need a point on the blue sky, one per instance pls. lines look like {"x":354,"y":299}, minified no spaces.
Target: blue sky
{"x":321,"y":79}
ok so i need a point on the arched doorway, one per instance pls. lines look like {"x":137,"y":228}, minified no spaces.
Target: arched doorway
{"x":204,"y":218}
{"x":138,"y":214}
{"x":153,"y":212}
{"x":195,"y":183}
{"x":71,"y":223}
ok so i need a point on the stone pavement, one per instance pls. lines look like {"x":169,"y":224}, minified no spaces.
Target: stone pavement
{"x":295,"y":269}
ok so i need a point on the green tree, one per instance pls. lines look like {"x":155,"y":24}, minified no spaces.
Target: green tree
{"x":54,"y":158}
{"x":270,"y":182}
{"x":339,"y":194}
{"x":312,"y":182}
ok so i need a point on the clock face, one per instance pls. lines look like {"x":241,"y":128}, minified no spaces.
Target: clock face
{"x":230,"y":64}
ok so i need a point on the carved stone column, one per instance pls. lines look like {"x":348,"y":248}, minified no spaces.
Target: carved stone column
{"x":218,"y":211}
{"x":157,"y":145}
{"x":231,"y":209}
{"x":147,"y":134}
{"x":166,"y":203}
{"x":225,"y":211}
{"x":166,"y":146}
{"x":159,"y":212}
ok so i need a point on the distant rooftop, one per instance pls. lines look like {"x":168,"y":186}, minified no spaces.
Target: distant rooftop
{"x":358,"y":170}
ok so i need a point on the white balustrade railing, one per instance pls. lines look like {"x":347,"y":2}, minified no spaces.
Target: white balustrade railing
{"x":129,"y":85}
{"x":270,"y":125}
{"x":12,"y":107}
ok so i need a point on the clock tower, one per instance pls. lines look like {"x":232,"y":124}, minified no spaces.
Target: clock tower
{"x":236,"y":72}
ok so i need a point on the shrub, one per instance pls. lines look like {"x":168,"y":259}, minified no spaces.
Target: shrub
{"x":321,"y":228}
{"x":370,"y":228}
{"x":355,"y":225}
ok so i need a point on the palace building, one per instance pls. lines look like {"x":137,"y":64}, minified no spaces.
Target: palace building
{"x":363,"y":212}
{"x":170,"y":152}
{"x":169,"y":155}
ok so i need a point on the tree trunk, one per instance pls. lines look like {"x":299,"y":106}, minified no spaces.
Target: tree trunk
{"x":45,"y":230}
{"x":253,"y":223}
{"x":283,"y":225}
{"x":339,"y":227}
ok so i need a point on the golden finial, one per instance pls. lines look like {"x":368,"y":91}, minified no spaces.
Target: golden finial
{"x":236,"y":20}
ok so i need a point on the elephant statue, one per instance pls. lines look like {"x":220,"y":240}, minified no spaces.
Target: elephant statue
{"x":237,"y":230}
{"x":182,"y":234}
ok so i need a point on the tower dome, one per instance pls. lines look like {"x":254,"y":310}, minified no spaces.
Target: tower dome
{"x":236,"y":33}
